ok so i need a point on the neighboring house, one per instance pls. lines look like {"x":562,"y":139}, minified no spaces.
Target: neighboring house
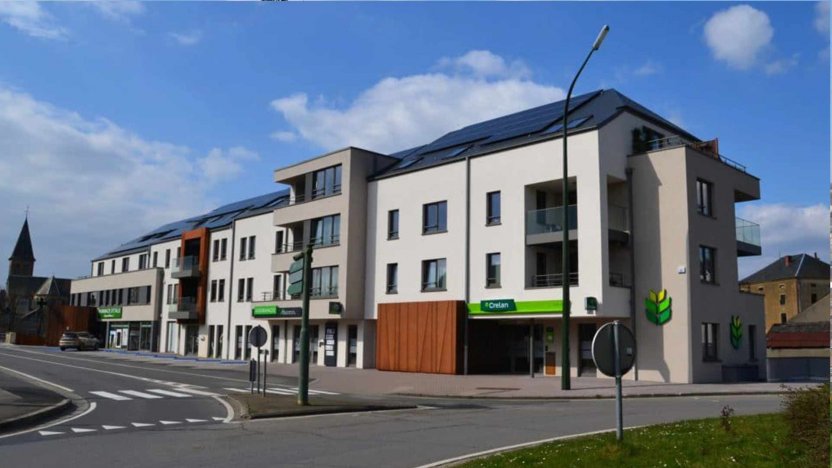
{"x":799,"y":349}
{"x":790,"y":284}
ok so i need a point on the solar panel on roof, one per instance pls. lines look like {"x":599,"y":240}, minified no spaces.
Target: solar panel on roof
{"x":408,"y":163}
{"x":455,"y":152}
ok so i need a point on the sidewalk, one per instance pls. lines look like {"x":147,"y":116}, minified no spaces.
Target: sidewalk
{"x":23,"y":403}
{"x":374,"y":382}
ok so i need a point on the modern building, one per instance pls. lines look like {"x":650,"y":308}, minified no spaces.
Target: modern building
{"x":446,"y":258}
{"x":789,"y":285}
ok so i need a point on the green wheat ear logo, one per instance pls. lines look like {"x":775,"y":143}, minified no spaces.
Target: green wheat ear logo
{"x":657,"y":307}
{"x":736,"y":331}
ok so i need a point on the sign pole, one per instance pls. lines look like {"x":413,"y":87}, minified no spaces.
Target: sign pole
{"x":265,"y":364}
{"x":303,"y":384}
{"x":619,"y":417}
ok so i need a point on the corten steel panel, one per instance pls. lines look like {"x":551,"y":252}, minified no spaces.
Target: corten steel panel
{"x":420,"y":337}
{"x":202,"y":281}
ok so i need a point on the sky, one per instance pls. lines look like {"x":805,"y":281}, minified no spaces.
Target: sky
{"x":116,"y":118}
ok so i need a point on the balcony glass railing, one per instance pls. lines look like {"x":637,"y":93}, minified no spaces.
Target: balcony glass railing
{"x":185,"y":304}
{"x":552,"y":280}
{"x":186,"y":264}
{"x":748,"y":232}
{"x":550,"y":220}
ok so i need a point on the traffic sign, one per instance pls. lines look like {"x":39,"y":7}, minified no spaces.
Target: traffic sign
{"x":603,"y":349}
{"x":296,"y":276}
{"x":257,"y":336}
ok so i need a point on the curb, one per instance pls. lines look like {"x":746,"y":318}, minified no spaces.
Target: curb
{"x":242,"y":413}
{"x":31,"y":419}
{"x":591,"y":397}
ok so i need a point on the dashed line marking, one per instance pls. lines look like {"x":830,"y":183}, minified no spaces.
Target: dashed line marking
{"x":169,"y":393}
{"x":111,"y":396}
{"x":139,"y":394}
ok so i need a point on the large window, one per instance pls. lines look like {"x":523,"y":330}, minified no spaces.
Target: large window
{"x":392,"y":278}
{"x":435,"y":217}
{"x":326,"y":230}
{"x":707,"y":264}
{"x":710,"y":331}
{"x":492,"y":200}
{"x":326,"y":182}
{"x":324,"y":282}
{"x":393,"y":224}
{"x":704,"y":197}
{"x":142,"y":261}
{"x":492,"y":262}
{"x":433,"y":275}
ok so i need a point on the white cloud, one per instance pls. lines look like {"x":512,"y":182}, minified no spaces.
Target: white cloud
{"x":786,"y":229}
{"x":781,"y":66}
{"x":738,"y":35}
{"x":93,"y":185}
{"x":284,"y":136}
{"x":822,"y":17}
{"x":649,"y":68}
{"x":397,"y":113}
{"x":30,"y":18}
{"x":118,"y":10}
{"x":187,"y":38}
{"x":485,"y":64}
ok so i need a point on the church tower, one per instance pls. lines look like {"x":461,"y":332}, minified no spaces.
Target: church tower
{"x":22,"y":261}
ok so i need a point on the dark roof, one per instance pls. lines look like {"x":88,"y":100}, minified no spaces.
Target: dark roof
{"x":799,"y":335}
{"x":23,"y":247}
{"x":590,"y":110}
{"x":801,"y":266}
{"x":27,"y":286}
{"x":213,"y":220}
{"x":54,"y":287}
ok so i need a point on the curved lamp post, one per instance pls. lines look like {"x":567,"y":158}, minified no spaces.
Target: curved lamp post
{"x":566,"y":382}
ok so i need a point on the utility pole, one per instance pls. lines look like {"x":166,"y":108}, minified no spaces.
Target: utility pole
{"x":303,"y":383}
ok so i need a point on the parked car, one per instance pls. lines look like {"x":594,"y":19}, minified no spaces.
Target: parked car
{"x":78,"y":340}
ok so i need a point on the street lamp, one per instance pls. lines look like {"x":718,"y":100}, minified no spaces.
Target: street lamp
{"x":565,"y":381}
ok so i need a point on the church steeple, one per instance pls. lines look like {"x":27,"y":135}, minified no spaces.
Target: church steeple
{"x":22,"y":261}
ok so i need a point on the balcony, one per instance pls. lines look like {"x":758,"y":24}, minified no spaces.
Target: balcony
{"x":317,"y":194}
{"x":185,"y":267}
{"x":711,"y":147}
{"x":552,"y":280}
{"x":316,"y":242}
{"x":748,"y":238}
{"x":185,"y":309}
{"x":546,"y":225}
{"x":271,"y":296}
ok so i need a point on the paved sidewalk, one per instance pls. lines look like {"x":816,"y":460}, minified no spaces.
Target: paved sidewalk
{"x":23,"y":403}
{"x":374,"y":382}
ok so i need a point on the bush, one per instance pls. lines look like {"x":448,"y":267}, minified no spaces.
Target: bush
{"x":807,"y":413}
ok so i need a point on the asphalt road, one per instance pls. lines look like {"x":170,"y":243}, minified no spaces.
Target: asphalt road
{"x":438,"y":430}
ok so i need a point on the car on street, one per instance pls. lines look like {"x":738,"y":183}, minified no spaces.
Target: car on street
{"x":78,"y":340}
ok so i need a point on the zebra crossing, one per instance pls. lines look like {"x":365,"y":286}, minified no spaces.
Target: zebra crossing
{"x":151,"y":394}
{"x":280,"y":391}
{"x":133,"y":425}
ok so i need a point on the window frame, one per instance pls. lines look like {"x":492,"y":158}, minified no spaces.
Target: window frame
{"x":704,"y":262}
{"x":391,"y":233}
{"x":441,"y":274}
{"x":251,"y":247}
{"x":705,"y":197}
{"x":441,"y":225}
{"x":495,"y":281}
{"x":710,"y":342}
{"x":392,"y":282}
{"x":490,"y":218}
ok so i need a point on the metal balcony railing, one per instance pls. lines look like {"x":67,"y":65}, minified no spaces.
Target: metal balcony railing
{"x":552,"y":280}
{"x":185,"y":267}
{"x":550,"y":220}
{"x":675,"y":140}
{"x":325,"y":241}
{"x":331,"y":291}
{"x":271,"y":296}
{"x":748,"y":232}
{"x":316,"y":194}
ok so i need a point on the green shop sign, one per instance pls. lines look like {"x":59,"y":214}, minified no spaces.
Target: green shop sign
{"x":109,"y":312}
{"x":270,"y":311}
{"x":736,"y":331}
{"x":510,"y":306}
{"x":657,"y":307}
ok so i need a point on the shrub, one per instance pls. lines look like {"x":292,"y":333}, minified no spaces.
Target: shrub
{"x":807,"y":413}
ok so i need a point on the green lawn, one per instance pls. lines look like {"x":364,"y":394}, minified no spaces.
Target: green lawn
{"x":757,"y":441}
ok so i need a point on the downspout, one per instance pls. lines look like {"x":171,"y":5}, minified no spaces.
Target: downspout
{"x":228,"y":331}
{"x":467,"y":259}
{"x":632,"y":265}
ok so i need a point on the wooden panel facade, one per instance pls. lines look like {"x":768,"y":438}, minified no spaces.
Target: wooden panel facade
{"x":420,"y":337}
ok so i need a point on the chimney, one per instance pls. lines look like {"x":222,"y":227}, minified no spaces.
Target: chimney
{"x":788,"y":259}
{"x":816,"y":255}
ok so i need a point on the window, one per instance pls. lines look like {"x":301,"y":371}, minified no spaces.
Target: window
{"x":392,"y":278}
{"x":326,"y":230}
{"x":241,"y":289}
{"x":782,"y":299}
{"x":155,"y":259}
{"x":251,"y":247}
{"x":132,"y":296}
{"x":276,"y":288}
{"x":752,"y":342}
{"x":393,"y":224}
{"x":213,"y":290}
{"x":435,"y":217}
{"x":167,"y":258}
{"x":101,"y":269}
{"x":210,"y":341}
{"x":112,"y":266}
{"x":249,"y":288}
{"x":243,"y":248}
{"x":324,"y":282}
{"x":814,"y":298}
{"x":326,"y":182}
{"x":433,"y":275}
{"x":492,"y":201}
{"x":709,"y":336}
{"x":223,"y":248}
{"x":783,"y":317}
{"x":707,"y":262}
{"x":492,"y":263}
{"x":278,"y":242}
{"x":221,"y":291}
{"x":704,"y":197}
{"x":125,"y":264}
{"x":142,"y":261}
{"x":169,"y":295}
{"x":216,"y":255}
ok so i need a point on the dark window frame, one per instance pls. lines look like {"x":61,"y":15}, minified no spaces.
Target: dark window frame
{"x":710,"y":342}
{"x":440,"y":282}
{"x":492,"y":219}
{"x":493,"y":279}
{"x":707,"y":257}
{"x":705,"y":197}
{"x":441,"y":214}
{"x":392,"y":283}
{"x":393,"y":224}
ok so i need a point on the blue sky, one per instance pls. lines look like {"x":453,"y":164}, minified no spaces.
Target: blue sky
{"x":115,"y":118}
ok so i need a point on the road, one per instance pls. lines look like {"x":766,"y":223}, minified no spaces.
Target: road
{"x":191,"y":429}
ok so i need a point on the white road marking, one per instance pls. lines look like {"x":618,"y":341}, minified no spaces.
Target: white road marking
{"x":142,"y":424}
{"x":111,"y":396}
{"x":194,"y":391}
{"x":238,"y":390}
{"x":49,"y":433}
{"x":280,"y":391}
{"x":168,"y":393}
{"x":78,"y":430}
{"x":168,"y":423}
{"x":195,"y":420}
{"x":217,"y":419}
{"x":139,"y":394}
{"x":316,"y":392}
{"x":110,"y":428}
{"x":54,"y":423}
{"x":46,"y":382}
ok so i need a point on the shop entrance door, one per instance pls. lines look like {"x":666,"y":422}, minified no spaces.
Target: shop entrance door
{"x":191,"y":339}
{"x":586,"y":366}
{"x":144,"y":336}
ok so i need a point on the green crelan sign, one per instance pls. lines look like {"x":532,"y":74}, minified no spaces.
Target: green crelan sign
{"x":265,"y":311}
{"x":109,"y":312}
{"x":512,"y":307}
